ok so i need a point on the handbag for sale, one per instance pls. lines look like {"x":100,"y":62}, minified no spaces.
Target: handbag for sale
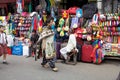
{"x":72,"y":10}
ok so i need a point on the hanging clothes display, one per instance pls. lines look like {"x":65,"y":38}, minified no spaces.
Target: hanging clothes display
{"x":30,"y":7}
{"x":48,"y":6}
{"x":19,"y":6}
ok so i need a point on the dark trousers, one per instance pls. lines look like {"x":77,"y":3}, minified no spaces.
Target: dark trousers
{"x":50,"y":61}
{"x":31,"y":50}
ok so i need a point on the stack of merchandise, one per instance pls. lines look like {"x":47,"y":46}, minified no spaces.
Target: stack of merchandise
{"x":107,"y":28}
{"x":22,"y":24}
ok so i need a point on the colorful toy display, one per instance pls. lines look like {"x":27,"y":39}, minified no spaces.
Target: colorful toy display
{"x":106,"y":27}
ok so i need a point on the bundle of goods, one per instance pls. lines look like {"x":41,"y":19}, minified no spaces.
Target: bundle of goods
{"x":83,"y":33}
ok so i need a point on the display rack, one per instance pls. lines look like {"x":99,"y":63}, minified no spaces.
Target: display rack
{"x":22,"y":24}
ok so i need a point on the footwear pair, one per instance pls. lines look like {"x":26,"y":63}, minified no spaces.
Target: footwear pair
{"x":28,"y":56}
{"x":45,"y":66}
{"x":4,"y":62}
{"x":65,"y":61}
{"x":55,"y":69}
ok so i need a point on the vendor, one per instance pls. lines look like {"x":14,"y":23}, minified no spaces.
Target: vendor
{"x":71,"y":46}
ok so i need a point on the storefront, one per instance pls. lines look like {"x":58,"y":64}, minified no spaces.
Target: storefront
{"x":106,"y":6}
{"x":7,"y":6}
{"x":110,"y":6}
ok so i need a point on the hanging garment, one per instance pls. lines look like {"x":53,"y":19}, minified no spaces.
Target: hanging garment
{"x":48,"y":6}
{"x":79,"y":13}
{"x":40,"y":24}
{"x":43,"y":4}
{"x":52,"y":2}
{"x":19,"y":7}
{"x":74,"y":23}
{"x":30,"y":7}
{"x":35,"y":23}
{"x":95,"y":19}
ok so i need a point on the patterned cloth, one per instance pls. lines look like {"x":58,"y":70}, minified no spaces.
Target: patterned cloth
{"x":47,"y":37}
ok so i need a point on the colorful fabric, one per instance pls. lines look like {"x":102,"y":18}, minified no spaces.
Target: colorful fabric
{"x":44,"y":34}
{"x":97,"y":54}
{"x":47,"y":38}
{"x":35,"y":24}
{"x":49,"y":50}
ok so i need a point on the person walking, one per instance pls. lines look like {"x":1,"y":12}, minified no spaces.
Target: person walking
{"x":47,"y":38}
{"x":3,"y":44}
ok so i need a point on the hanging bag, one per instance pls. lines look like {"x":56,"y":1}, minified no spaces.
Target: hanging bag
{"x":72,"y":10}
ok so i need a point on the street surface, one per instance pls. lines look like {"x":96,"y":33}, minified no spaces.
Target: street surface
{"x":22,"y":68}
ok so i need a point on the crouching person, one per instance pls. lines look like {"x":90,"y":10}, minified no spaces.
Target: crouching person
{"x":47,"y":37}
{"x":70,"y":49}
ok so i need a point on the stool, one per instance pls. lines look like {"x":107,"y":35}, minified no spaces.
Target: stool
{"x":74,"y":54}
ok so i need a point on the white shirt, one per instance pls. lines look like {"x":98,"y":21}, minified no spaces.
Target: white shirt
{"x":3,"y":38}
{"x":71,"y":43}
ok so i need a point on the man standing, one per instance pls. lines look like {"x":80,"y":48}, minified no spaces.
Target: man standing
{"x":3,"y":44}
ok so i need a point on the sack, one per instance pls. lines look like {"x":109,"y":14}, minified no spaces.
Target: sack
{"x":25,"y":50}
{"x":17,"y":50}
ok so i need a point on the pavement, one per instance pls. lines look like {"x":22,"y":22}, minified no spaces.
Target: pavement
{"x":22,"y":68}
